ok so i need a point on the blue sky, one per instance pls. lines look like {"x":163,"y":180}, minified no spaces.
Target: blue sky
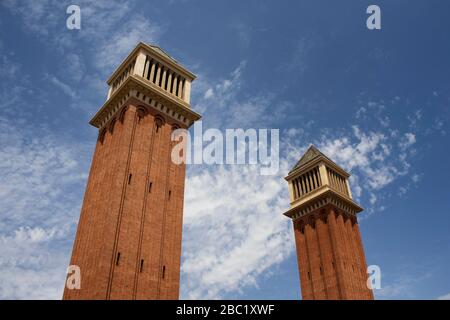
{"x":377,"y":102}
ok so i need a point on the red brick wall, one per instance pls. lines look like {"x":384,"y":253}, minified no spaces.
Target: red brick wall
{"x":330,"y":256}
{"x":124,"y":216}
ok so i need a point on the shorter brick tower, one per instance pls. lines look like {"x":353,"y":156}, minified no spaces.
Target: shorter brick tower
{"x":330,"y":252}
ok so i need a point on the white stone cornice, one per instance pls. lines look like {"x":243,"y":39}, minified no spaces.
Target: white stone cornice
{"x":328,"y":197}
{"x":138,"y":88}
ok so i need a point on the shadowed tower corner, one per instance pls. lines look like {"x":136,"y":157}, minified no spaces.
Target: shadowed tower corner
{"x":330,"y":252}
{"x":128,"y":241}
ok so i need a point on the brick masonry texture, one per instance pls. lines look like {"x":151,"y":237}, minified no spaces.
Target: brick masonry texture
{"x":331,"y":257}
{"x":128,"y":241}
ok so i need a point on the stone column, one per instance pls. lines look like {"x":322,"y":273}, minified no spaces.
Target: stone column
{"x":175,"y":83}
{"x":349,"y":191}
{"x":187,"y":91}
{"x":180,"y":90}
{"x":140,"y":64}
{"x":158,"y":74}
{"x":152,"y":70}
{"x":169,"y":80}
{"x":146,"y":68}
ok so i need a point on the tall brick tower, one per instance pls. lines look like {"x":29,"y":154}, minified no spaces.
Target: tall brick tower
{"x":330,"y":252}
{"x":128,"y":242}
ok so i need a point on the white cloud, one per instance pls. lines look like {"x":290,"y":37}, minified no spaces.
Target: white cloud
{"x":404,"y":284}
{"x":415,"y":119}
{"x":233,"y":235}
{"x":11,"y":90}
{"x":8,"y":69}
{"x":416,"y":178}
{"x":243,"y":33}
{"x":32,"y":266}
{"x":361,"y":113}
{"x":444,"y":297}
{"x":64,"y":87}
{"x":38,"y":16}
{"x":74,"y":66}
{"x":402,"y":190}
{"x":209,"y":93}
{"x":41,"y":182}
{"x":373,"y":199}
{"x":223,"y":90}
{"x":294,"y":132}
{"x":109,"y":31}
{"x":36,"y":234}
{"x":231,"y":107}
{"x":367,"y":155}
{"x":375,"y":111}
{"x":120,"y":43}
{"x":297,"y":62}
{"x":407,"y":140}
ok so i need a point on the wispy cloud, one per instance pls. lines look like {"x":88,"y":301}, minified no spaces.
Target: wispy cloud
{"x":109,"y":30}
{"x":121,"y":42}
{"x":38,"y":176}
{"x":41,"y":180}
{"x":243,"y":32}
{"x":64,"y":87}
{"x":404,"y":283}
{"x":232,"y":236}
{"x":444,"y":297}
{"x":225,"y":103}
